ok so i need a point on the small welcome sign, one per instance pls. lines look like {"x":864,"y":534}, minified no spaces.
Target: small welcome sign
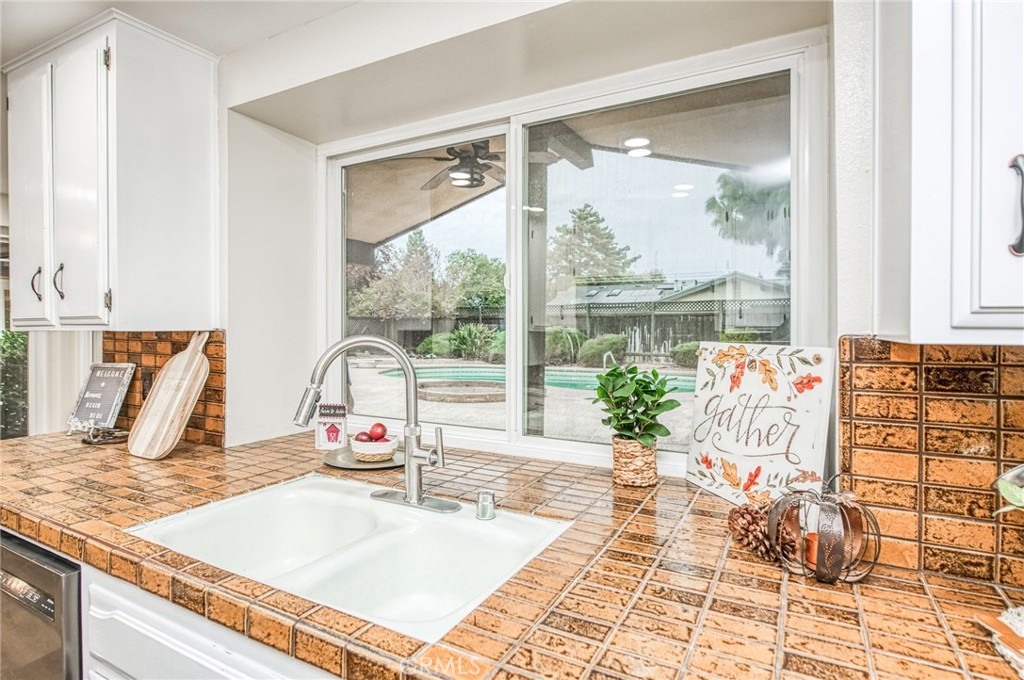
{"x":760,"y":419}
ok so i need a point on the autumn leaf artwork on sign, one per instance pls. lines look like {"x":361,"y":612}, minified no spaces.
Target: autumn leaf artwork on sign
{"x":760,"y":419}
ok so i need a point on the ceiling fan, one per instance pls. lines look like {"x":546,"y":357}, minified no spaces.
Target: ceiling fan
{"x":470,"y":167}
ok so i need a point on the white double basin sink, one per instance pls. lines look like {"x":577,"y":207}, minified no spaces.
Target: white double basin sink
{"x":325,"y":539}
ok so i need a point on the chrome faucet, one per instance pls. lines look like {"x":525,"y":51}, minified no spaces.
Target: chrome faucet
{"x":415,"y":457}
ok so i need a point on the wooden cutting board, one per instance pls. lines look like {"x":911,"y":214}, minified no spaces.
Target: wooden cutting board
{"x":166,"y":410}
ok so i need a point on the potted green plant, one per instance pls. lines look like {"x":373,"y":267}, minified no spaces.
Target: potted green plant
{"x":633,"y":400}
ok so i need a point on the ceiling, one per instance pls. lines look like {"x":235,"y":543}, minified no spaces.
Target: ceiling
{"x":219,"y":27}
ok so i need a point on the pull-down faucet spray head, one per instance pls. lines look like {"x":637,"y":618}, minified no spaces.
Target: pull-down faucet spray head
{"x":310,"y":398}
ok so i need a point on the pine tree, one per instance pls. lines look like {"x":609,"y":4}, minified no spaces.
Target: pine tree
{"x":586,"y":250}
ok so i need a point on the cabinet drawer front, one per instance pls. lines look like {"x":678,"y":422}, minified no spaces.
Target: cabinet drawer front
{"x":80,"y":105}
{"x":29,"y":153}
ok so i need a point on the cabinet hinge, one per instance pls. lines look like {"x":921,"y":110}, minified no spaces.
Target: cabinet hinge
{"x":106,"y":58}
{"x":108,"y":300}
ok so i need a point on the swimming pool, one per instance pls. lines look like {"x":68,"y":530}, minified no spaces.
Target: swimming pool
{"x":553,"y":377}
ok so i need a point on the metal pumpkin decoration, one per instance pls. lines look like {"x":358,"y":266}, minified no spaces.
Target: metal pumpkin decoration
{"x":839,"y":538}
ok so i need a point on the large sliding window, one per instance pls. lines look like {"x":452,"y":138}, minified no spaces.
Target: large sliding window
{"x":425,"y":240}
{"x":637,"y":223}
{"x":652,"y":227}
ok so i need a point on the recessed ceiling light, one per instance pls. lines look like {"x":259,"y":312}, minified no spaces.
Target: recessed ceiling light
{"x":634,"y":142}
{"x":683,"y":187}
{"x":460,"y":182}
{"x":639,"y":153}
{"x":680,"y":194}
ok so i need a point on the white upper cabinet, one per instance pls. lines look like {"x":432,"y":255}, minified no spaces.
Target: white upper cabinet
{"x":113,"y":181}
{"x":951,"y":132}
{"x":988,"y":143}
{"x":29,"y":149}
{"x":80,"y":183}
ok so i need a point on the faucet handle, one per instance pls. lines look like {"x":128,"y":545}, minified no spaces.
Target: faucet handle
{"x":435,"y":458}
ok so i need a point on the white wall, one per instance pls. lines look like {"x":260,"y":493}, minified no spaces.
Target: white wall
{"x":270,"y":277}
{"x":853,"y":176}
{"x":361,"y":34}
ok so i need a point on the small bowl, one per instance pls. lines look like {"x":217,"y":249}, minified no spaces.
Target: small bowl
{"x":373,"y":452}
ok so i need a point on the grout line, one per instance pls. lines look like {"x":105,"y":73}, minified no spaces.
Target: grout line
{"x":699,"y":624}
{"x":780,"y":639}
{"x":945,"y":627}
{"x":504,"y":660}
{"x":864,"y":633}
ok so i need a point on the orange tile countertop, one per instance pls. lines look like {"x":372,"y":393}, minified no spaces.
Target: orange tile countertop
{"x":645,"y":584}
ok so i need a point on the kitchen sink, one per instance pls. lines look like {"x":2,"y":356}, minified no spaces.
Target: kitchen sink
{"x":325,"y":539}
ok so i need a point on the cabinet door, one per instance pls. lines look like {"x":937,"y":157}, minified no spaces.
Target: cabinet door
{"x":29,"y":153}
{"x":80,"y":106}
{"x":988,"y":133}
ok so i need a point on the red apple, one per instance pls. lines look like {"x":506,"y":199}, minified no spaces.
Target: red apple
{"x":378,"y":431}
{"x":363,"y":437}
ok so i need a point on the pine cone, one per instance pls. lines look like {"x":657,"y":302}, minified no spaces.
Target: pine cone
{"x":748,"y":525}
{"x":787,"y":543}
{"x":743,"y":519}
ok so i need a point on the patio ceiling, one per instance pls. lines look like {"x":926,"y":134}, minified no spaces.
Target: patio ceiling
{"x":743,"y":126}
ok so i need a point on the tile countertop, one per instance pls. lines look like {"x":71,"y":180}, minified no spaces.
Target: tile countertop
{"x":645,"y":584}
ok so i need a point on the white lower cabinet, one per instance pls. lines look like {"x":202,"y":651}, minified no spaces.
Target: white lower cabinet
{"x":130,"y":634}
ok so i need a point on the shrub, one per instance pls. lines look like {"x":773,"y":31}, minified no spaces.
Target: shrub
{"x":738,"y":335}
{"x":562,"y":345}
{"x":438,"y":344}
{"x":685,"y":354}
{"x":473,"y":341}
{"x":593,"y":350}
{"x":497,"y":349}
{"x":13,"y":384}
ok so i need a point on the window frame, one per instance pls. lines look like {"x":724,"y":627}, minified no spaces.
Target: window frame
{"x":803,"y":55}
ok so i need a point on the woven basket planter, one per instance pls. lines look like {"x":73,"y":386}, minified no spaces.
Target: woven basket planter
{"x":633,"y":464}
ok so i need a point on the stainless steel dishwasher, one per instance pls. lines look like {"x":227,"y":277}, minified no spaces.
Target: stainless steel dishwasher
{"x":39,"y":613}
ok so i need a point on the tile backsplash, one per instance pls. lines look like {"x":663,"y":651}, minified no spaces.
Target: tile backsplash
{"x":924,"y":432}
{"x":149,"y":351}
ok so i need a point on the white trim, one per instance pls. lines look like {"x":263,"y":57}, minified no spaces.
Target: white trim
{"x":515,"y":276}
{"x":58,"y":361}
{"x":99,"y":20}
{"x":803,"y":54}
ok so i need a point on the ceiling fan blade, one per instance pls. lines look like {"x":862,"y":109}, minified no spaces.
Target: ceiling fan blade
{"x":496,"y":173}
{"x":436,"y":181}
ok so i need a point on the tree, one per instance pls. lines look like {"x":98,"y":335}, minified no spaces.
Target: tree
{"x":406,"y":286}
{"x":475,"y":279}
{"x":586,"y":250}
{"x":751,"y":214}
{"x":13,"y":384}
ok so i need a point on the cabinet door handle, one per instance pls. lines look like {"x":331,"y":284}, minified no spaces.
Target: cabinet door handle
{"x":60,"y":273}
{"x":35,"y":277}
{"x":1017,"y":248}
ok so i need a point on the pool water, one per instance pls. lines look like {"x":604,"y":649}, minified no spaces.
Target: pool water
{"x":553,"y":377}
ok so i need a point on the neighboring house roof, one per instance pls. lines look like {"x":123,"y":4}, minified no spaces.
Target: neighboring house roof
{"x":633,"y":293}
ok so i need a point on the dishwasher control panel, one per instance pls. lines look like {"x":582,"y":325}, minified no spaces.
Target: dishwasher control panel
{"x":33,"y":598}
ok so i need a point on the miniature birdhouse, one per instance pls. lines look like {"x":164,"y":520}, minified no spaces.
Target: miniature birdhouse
{"x":331,"y":426}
